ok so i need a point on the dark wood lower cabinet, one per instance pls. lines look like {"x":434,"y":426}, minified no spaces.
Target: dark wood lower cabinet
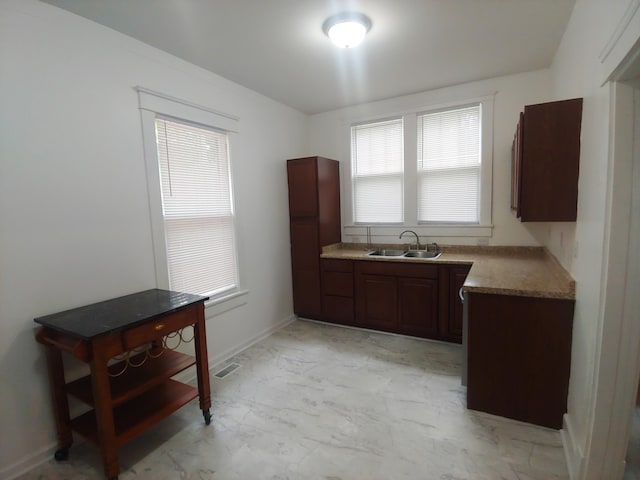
{"x":519,"y":357}
{"x":397,"y":297}
{"x":337,"y":291}
{"x":377,"y":302}
{"x":417,"y":307}
{"x":418,"y":299}
{"x":337,"y":310}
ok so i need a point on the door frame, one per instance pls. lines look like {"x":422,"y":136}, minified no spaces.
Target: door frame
{"x":618,"y":358}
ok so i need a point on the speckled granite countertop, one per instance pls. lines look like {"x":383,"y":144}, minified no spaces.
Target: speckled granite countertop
{"x":521,"y":271}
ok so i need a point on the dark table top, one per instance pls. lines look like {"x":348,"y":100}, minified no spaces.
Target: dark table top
{"x":119,"y":313}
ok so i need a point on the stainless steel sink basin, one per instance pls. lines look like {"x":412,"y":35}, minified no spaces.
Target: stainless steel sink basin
{"x":404,"y":253}
{"x":422,"y":254}
{"x":387,"y":253}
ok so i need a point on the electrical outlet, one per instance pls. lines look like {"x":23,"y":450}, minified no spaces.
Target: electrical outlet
{"x":575,"y":250}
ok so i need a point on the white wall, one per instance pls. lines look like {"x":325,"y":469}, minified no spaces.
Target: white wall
{"x":74,"y":215}
{"x":329,"y":136}
{"x":577,"y":71}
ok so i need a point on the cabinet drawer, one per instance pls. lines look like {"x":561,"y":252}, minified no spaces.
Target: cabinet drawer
{"x":157,"y":329}
{"x":337,"y":283}
{"x":398,"y":269}
{"x":331,"y":265}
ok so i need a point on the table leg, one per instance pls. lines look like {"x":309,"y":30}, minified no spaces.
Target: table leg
{"x":60,"y":402}
{"x":202,"y":365}
{"x":104,"y":410}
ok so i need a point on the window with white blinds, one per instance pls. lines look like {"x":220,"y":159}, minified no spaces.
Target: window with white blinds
{"x":448,"y":173}
{"x":377,"y":172}
{"x":197,"y":207}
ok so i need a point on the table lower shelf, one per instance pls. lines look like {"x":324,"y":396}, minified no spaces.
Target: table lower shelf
{"x":135,"y":380}
{"x":135,"y":416}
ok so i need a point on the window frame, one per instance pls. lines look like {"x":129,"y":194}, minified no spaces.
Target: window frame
{"x":484,"y":227}
{"x":154,"y":105}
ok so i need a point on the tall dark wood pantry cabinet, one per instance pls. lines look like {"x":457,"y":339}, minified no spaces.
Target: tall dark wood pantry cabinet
{"x":314,"y":216}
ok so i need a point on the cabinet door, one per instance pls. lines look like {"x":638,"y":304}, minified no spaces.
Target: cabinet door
{"x":305,"y":264}
{"x":303,"y":187}
{"x":516,"y":165}
{"x":376,"y":302}
{"x":550,"y":158}
{"x":337,"y":309}
{"x":329,"y":201}
{"x":418,"y":307}
{"x":519,"y":357}
{"x":337,"y":283}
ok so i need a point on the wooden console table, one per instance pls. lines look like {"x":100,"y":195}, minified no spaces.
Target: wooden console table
{"x":129,"y":344}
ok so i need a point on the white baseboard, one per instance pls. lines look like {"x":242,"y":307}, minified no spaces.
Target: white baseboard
{"x":43,"y":455}
{"x":29,"y":462}
{"x":572,"y":451}
{"x":380,"y":332}
{"x":190,"y":375}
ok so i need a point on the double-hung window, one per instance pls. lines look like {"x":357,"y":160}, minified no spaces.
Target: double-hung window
{"x":197,"y":207}
{"x":377,"y":171}
{"x":449,"y":166}
{"x":191,"y":196}
{"x":432,"y":168}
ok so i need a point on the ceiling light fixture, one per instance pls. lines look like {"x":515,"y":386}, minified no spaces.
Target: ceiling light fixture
{"x":346,"y":30}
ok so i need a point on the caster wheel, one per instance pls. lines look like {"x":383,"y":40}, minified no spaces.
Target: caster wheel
{"x":207,"y":417}
{"x":61,"y":454}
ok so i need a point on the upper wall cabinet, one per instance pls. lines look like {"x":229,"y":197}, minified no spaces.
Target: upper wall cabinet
{"x":545,"y":159}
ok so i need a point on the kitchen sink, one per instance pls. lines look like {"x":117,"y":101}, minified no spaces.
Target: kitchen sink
{"x":387,"y":253}
{"x":404,"y":253}
{"x":422,"y":254}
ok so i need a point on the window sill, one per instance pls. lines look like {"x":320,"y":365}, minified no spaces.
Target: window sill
{"x":225,"y":303}
{"x":357,"y":233}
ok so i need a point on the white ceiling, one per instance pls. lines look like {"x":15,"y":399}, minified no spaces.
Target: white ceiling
{"x":277,"y":47}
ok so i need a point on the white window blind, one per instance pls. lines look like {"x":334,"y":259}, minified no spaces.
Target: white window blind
{"x":449,"y":156}
{"x":197,"y":207}
{"x":377,"y":172}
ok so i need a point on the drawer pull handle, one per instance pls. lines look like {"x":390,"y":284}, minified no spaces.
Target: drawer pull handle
{"x":159,"y":327}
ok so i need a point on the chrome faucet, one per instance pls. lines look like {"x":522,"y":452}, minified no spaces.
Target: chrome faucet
{"x":435,"y":245}
{"x":417,"y":238}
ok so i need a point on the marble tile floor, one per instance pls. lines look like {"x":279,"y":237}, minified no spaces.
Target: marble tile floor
{"x":315,"y":401}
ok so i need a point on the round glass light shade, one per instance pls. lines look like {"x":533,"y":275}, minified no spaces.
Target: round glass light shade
{"x":347,"y":30}
{"x":347,"y":34}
